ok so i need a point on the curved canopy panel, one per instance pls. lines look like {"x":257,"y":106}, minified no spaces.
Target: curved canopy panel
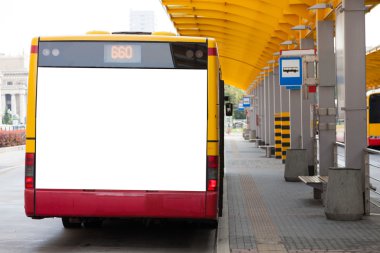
{"x":248,"y":32}
{"x":373,"y":69}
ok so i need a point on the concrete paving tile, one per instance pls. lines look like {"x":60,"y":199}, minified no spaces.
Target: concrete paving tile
{"x":263,"y":207}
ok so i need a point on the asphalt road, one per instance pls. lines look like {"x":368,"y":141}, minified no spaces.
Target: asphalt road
{"x":21,"y":234}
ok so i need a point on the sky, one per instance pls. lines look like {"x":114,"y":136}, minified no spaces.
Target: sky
{"x":21,"y":20}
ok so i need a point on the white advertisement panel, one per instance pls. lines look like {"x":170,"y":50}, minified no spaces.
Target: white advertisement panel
{"x":121,"y":129}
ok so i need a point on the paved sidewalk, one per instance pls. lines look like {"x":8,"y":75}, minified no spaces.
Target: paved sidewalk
{"x":269,"y":215}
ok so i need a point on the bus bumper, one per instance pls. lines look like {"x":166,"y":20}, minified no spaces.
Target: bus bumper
{"x":124,"y":204}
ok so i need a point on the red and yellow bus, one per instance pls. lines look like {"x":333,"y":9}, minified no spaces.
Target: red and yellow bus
{"x":123,"y":125}
{"x":373,"y":121}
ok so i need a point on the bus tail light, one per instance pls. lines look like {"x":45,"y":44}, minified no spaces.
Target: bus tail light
{"x":29,"y":170}
{"x":212,"y":173}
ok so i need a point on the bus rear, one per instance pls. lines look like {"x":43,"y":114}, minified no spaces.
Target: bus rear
{"x":122,"y":126}
{"x":373,"y":116}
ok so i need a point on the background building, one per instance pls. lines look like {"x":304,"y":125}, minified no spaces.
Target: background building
{"x":13,"y":87}
{"x":141,"y":21}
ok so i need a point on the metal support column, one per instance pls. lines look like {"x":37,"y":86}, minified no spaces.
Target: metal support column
{"x":266,"y":109}
{"x":295,"y":118}
{"x":350,"y":48}
{"x":276,"y":88}
{"x":351,"y":88}
{"x":271,"y":108}
{"x":326,"y":94}
{"x":307,"y":102}
{"x":262,"y":118}
{"x":277,"y":111}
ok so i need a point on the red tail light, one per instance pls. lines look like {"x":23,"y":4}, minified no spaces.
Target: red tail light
{"x":29,"y":182}
{"x":212,"y":185}
{"x":34,"y":49}
{"x":212,"y":162}
{"x":29,"y":170}
{"x":212,"y":173}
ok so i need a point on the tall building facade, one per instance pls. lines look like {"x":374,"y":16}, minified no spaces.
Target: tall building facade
{"x":141,"y":21}
{"x":13,"y":88}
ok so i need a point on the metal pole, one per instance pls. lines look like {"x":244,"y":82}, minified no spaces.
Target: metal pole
{"x":351,"y":81}
{"x":350,"y":48}
{"x":271,"y":107}
{"x":295,"y":118}
{"x":307,"y":105}
{"x":326,"y":94}
{"x":265,"y":110}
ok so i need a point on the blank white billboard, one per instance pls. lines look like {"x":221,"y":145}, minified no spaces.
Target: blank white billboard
{"x":121,"y":129}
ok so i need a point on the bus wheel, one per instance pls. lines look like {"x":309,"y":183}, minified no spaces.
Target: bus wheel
{"x":211,"y":224}
{"x":93,"y":224}
{"x":67,"y":223}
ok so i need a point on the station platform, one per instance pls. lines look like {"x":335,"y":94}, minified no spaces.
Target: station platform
{"x":268,"y":215}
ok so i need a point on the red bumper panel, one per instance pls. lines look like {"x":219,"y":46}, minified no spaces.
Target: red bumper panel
{"x":211,"y":204}
{"x":29,"y":202}
{"x":79,"y":203}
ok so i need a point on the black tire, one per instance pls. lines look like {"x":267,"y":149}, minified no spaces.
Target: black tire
{"x":93,"y":224}
{"x":69,"y":225}
{"x":210,"y":224}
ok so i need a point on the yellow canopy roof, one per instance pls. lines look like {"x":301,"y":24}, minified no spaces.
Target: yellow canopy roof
{"x":248,"y":32}
{"x":373,"y":68}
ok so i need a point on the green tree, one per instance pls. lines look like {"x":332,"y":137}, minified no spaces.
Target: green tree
{"x":235,"y":96}
{"x":7,"y":118}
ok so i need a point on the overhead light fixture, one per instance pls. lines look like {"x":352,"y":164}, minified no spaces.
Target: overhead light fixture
{"x":276,"y":53}
{"x":265,"y":68}
{"x":262,"y":73}
{"x":271,"y":62}
{"x":321,"y":6}
{"x":301,"y":27}
{"x":288,"y":43}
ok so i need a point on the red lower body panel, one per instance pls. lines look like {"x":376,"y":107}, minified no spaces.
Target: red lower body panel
{"x":101,"y":203}
{"x":29,"y":202}
{"x":373,"y":142}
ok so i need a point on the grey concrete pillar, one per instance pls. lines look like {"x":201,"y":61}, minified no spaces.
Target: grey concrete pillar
{"x":256,"y":110}
{"x":262,"y":117}
{"x":3,"y":104}
{"x":13,"y":104}
{"x":307,"y":102}
{"x":344,"y":194}
{"x":326,"y":94}
{"x":295,"y":118}
{"x":271,"y":108}
{"x":266,"y":108}
{"x":261,"y":114}
{"x":284,"y":99}
{"x":351,"y":82}
{"x":254,"y":114}
{"x":276,"y":93}
{"x":22,"y":108}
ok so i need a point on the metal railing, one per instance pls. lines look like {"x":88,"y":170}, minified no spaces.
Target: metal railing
{"x":373,"y":181}
{"x":370,"y":181}
{"x":11,"y":127}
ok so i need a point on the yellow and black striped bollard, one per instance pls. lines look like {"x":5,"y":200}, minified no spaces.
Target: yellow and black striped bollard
{"x":285,"y":134}
{"x":277,"y":135}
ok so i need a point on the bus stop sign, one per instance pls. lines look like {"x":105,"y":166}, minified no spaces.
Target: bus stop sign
{"x":246,"y":102}
{"x":290,"y":71}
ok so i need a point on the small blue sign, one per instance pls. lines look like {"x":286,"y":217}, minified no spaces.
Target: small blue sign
{"x":241,"y":107}
{"x":293,"y":87}
{"x":290,"y":71}
{"x":246,"y":102}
